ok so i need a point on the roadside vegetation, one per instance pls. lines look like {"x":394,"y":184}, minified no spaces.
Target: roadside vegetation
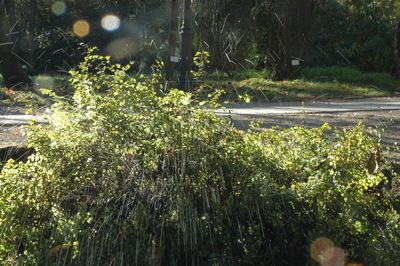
{"x":34,"y":97}
{"x":307,"y":84}
{"x":248,"y":86}
{"x":131,"y":171}
{"x":126,"y":167}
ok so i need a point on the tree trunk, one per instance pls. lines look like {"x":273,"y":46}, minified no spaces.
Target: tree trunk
{"x":10,"y":69}
{"x":172,"y":41}
{"x":397,"y":51}
{"x":283,"y":27}
{"x":33,"y":15}
{"x":288,"y":43}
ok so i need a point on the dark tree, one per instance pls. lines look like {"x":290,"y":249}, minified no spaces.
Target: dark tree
{"x":225,"y":29}
{"x":10,"y":69}
{"x":283,"y":28}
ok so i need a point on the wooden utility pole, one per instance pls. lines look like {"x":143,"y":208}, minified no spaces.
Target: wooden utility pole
{"x":172,"y":43}
{"x":397,"y":51}
{"x":185,"y":79}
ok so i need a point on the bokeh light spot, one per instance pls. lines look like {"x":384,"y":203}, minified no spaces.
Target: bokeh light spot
{"x":334,"y":257}
{"x":110,"y":22}
{"x":81,"y":28}
{"x":59,"y":8}
{"x":124,"y":48}
{"x":319,"y":247}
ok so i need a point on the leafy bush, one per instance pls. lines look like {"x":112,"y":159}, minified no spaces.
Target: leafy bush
{"x":125,"y":175}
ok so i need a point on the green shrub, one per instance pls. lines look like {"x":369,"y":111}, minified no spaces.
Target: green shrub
{"x":125,"y":175}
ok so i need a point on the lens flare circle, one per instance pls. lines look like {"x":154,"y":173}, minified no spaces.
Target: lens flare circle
{"x":110,"y":22}
{"x":123,"y":48}
{"x":334,"y":257}
{"x":81,"y":28}
{"x":59,"y":8}
{"x":319,"y":247}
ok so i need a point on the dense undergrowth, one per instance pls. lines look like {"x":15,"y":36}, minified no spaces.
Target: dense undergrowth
{"x":128,"y":175}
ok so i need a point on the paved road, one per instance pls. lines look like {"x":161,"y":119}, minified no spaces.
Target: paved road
{"x":262,"y":109}
{"x":379,"y":113}
{"x":332,"y":106}
{"x":17,"y":120}
{"x":385,"y":122}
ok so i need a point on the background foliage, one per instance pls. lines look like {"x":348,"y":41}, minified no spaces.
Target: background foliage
{"x":237,"y":34}
{"x":355,"y":32}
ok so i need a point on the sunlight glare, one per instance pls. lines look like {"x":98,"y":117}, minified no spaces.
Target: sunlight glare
{"x":59,"y":8}
{"x":123,"y":48}
{"x":110,"y":22}
{"x":81,"y":28}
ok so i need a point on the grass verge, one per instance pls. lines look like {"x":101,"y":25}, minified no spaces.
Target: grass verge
{"x":251,"y":85}
{"x":57,"y":84}
{"x":307,"y":84}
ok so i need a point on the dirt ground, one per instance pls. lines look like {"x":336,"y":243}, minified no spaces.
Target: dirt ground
{"x":386,"y":122}
{"x":12,"y":136}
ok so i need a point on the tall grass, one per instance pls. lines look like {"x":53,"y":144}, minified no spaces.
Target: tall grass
{"x":349,"y":75}
{"x":307,"y":84}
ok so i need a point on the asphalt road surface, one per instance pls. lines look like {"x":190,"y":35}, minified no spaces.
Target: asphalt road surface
{"x":386,"y":122}
{"x":377,"y":113}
